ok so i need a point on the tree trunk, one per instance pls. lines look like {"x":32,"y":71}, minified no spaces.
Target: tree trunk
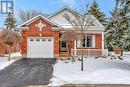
{"x":9,"y":54}
{"x":121,"y":52}
{"x":68,"y":50}
{"x":19,"y":47}
{"x":82,"y":60}
{"x":82,"y":54}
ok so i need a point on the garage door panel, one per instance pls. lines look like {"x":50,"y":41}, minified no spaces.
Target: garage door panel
{"x":40,"y":48}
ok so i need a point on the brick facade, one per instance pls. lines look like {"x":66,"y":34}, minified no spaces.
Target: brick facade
{"x":98,"y":41}
{"x":97,"y":51}
{"x":45,"y":32}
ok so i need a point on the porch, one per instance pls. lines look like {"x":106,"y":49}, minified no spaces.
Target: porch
{"x":90,"y":52}
{"x":86,"y":52}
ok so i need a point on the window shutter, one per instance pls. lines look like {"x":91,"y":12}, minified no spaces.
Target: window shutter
{"x":94,"y":41}
{"x":78,"y":44}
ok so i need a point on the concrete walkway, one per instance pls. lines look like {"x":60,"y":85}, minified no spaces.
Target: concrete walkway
{"x":96,"y":85}
{"x":86,"y":85}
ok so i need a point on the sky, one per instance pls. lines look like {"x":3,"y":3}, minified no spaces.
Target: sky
{"x":50,"y":6}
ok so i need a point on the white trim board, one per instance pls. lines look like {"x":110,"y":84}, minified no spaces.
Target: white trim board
{"x":35,"y":18}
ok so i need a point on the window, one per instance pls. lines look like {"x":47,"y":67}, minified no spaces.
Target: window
{"x":43,"y":39}
{"x":49,"y":40}
{"x":65,"y":15}
{"x":31,"y":39}
{"x":87,"y":41}
{"x":92,"y":24}
{"x":63,"y":46}
{"x":37,"y":39}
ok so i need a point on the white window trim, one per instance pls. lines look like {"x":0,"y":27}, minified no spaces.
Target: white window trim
{"x":87,"y":41}
{"x":93,"y":42}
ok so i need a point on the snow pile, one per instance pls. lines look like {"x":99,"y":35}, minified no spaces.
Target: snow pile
{"x":4,"y":64}
{"x":14,"y":55}
{"x":110,"y":76}
{"x":4,"y":60}
{"x":96,"y":71}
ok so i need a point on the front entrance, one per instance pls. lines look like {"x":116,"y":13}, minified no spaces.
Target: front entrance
{"x":63,"y":46}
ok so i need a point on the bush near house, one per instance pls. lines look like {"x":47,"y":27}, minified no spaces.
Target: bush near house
{"x":4,"y":50}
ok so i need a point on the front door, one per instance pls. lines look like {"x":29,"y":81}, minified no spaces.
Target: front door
{"x":63,"y":46}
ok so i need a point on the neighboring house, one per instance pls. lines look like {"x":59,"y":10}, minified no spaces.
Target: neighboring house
{"x":4,"y":49}
{"x":2,"y":46}
{"x":41,"y":37}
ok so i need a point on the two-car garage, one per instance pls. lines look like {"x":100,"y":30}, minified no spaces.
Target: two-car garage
{"x":40,"y":47}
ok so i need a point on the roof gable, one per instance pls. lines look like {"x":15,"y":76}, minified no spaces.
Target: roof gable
{"x":35,"y":18}
{"x":60,"y":10}
{"x":96,"y":21}
{"x":58,"y":18}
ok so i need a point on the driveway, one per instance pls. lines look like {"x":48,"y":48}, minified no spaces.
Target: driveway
{"x":27,"y":72}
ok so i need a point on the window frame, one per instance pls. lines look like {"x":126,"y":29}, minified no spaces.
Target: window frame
{"x":31,"y":40}
{"x":38,"y":40}
{"x":87,"y":41}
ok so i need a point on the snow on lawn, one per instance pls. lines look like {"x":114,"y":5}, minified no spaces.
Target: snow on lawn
{"x":16,"y":55}
{"x":4,"y":60}
{"x":5,"y":63}
{"x":96,"y":71}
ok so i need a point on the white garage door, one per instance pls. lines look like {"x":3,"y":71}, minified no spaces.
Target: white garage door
{"x":40,"y":48}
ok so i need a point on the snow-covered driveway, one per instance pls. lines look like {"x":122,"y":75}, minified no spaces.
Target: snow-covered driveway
{"x":96,"y":71}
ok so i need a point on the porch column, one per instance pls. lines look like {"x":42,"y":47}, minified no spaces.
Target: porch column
{"x":103,"y":43}
{"x":75,"y":48}
{"x":102,"y":40}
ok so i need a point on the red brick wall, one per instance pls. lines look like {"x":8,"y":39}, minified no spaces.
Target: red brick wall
{"x":34,"y":32}
{"x":93,"y":51}
{"x":98,"y":41}
{"x":47,"y":32}
{"x":56,"y":42}
{"x":71,"y":46}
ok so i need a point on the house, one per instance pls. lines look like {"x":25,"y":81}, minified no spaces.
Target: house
{"x":41,"y":37}
{"x":2,"y":46}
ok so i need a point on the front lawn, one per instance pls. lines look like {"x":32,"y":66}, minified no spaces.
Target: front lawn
{"x":4,"y":60}
{"x":96,"y":71}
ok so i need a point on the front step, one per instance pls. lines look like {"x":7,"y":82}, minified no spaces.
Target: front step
{"x":63,"y":54}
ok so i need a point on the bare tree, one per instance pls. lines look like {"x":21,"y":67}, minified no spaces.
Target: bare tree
{"x":9,"y":36}
{"x":25,"y":15}
{"x":80,"y":21}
